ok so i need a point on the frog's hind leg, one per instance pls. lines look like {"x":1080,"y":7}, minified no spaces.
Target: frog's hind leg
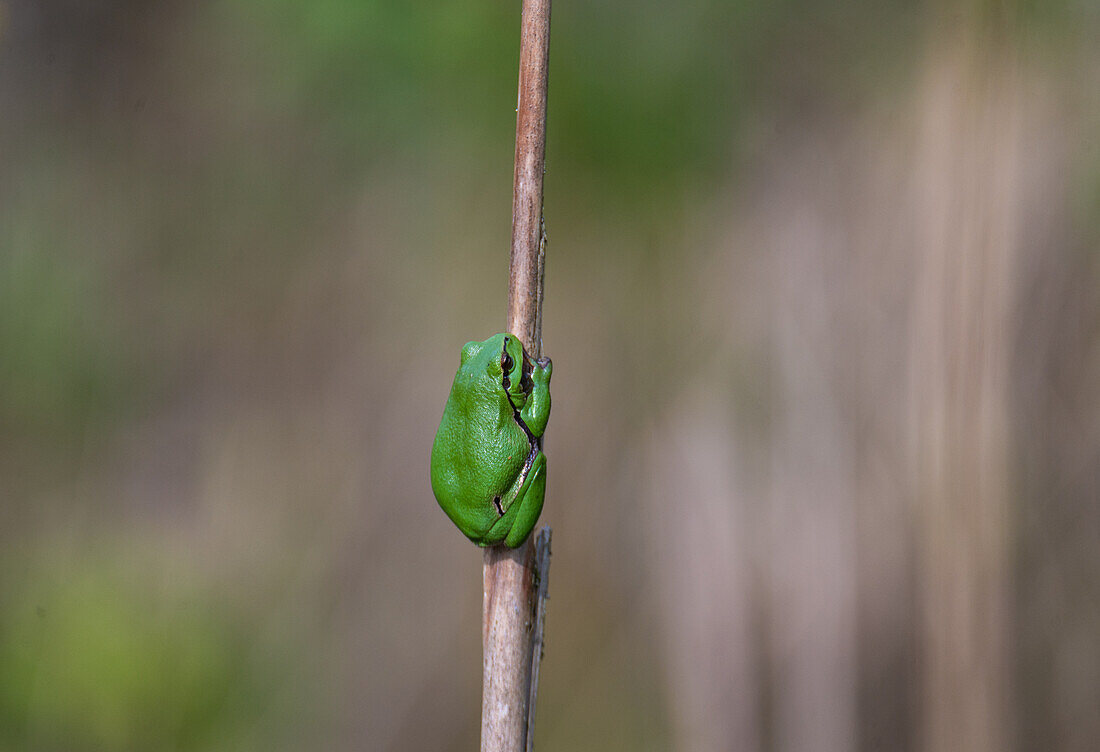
{"x":521,"y":508}
{"x":530,"y":504}
{"x":500,"y":528}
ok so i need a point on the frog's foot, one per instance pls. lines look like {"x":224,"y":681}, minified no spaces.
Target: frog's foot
{"x":542,"y":373}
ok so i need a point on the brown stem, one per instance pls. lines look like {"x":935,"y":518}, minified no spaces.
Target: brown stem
{"x":525,"y":279}
{"x":515,"y":580}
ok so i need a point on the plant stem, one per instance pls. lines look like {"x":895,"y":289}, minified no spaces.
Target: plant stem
{"x":515,"y":579}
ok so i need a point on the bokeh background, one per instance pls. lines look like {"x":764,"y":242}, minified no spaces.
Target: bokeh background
{"x":823,"y":297}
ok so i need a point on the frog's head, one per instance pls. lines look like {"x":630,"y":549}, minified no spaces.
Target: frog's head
{"x":514,"y":367}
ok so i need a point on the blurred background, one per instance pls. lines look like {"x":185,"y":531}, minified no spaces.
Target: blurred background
{"x":823,"y":297}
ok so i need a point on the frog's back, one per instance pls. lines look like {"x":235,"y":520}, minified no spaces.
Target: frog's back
{"x":478,"y":451}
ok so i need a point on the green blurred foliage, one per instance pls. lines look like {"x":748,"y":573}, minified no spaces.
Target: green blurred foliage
{"x":105,"y":659}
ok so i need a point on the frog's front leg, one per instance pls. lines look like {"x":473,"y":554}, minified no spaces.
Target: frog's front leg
{"x":536,"y":411}
{"x":522,"y":506}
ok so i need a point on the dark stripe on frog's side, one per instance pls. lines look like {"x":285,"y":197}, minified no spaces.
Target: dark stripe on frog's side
{"x":536,"y":444}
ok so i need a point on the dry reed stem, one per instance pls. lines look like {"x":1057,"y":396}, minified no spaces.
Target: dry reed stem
{"x":515,"y":579}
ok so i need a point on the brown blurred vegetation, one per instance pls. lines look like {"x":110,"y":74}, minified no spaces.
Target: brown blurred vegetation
{"x":822,"y":296}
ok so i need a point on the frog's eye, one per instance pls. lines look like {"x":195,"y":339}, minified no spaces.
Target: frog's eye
{"x":506,"y":362}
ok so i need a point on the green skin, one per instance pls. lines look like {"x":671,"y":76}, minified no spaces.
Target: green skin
{"x":488,"y":469}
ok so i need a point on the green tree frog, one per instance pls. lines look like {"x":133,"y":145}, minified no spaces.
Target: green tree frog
{"x":488,"y":469}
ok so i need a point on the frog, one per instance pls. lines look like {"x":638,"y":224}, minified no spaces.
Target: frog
{"x":488,"y":470}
